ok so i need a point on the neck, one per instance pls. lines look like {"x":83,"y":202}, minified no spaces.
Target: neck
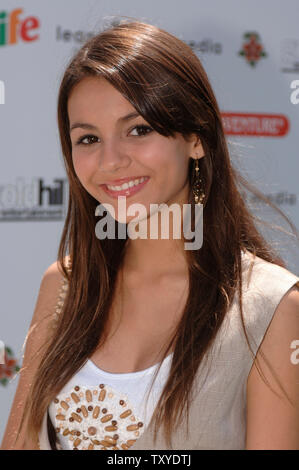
{"x":154,"y":256}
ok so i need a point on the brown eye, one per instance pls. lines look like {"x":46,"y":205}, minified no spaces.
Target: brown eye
{"x":142,"y":130}
{"x":91,"y":139}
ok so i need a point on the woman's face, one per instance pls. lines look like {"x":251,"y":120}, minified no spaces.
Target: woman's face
{"x":109,"y":145}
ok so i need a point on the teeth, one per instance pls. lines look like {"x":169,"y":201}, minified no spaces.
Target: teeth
{"x":127,"y":185}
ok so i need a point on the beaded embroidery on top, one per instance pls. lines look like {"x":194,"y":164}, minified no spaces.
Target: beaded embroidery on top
{"x":96,"y":418}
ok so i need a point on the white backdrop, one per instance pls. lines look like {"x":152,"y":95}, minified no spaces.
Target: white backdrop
{"x":35,"y":45}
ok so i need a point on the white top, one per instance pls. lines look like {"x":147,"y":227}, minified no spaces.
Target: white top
{"x":103,"y":398}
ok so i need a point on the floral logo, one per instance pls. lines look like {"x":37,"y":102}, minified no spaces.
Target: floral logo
{"x":252,"y":49}
{"x":9,"y":367}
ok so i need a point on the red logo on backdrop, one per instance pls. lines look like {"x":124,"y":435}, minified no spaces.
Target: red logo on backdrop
{"x":252,"y":49}
{"x":266,"y":125}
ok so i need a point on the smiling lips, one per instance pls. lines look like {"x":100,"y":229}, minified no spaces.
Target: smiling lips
{"x":126,"y":189}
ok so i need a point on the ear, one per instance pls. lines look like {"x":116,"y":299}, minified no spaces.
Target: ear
{"x":195,"y":147}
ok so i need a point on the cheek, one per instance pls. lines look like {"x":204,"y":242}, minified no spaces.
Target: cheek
{"x":84,"y":173}
{"x":179,"y":168}
{"x":82,"y":166}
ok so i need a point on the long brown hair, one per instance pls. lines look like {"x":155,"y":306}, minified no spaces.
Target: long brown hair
{"x":165,"y":82}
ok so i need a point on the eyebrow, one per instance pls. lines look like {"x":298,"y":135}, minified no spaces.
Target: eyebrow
{"x":85,"y":125}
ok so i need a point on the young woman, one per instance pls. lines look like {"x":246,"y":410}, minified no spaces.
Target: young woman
{"x":152,"y":345}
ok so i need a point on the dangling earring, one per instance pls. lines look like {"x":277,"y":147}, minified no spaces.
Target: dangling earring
{"x":197,"y":186}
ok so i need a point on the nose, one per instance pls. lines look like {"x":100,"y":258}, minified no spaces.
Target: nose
{"x":112,"y":156}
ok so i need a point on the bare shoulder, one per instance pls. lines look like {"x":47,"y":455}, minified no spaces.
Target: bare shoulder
{"x":48,"y":293}
{"x":49,"y":286}
{"x":54,"y":271}
{"x":291,"y":299}
{"x":273,"y":409}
